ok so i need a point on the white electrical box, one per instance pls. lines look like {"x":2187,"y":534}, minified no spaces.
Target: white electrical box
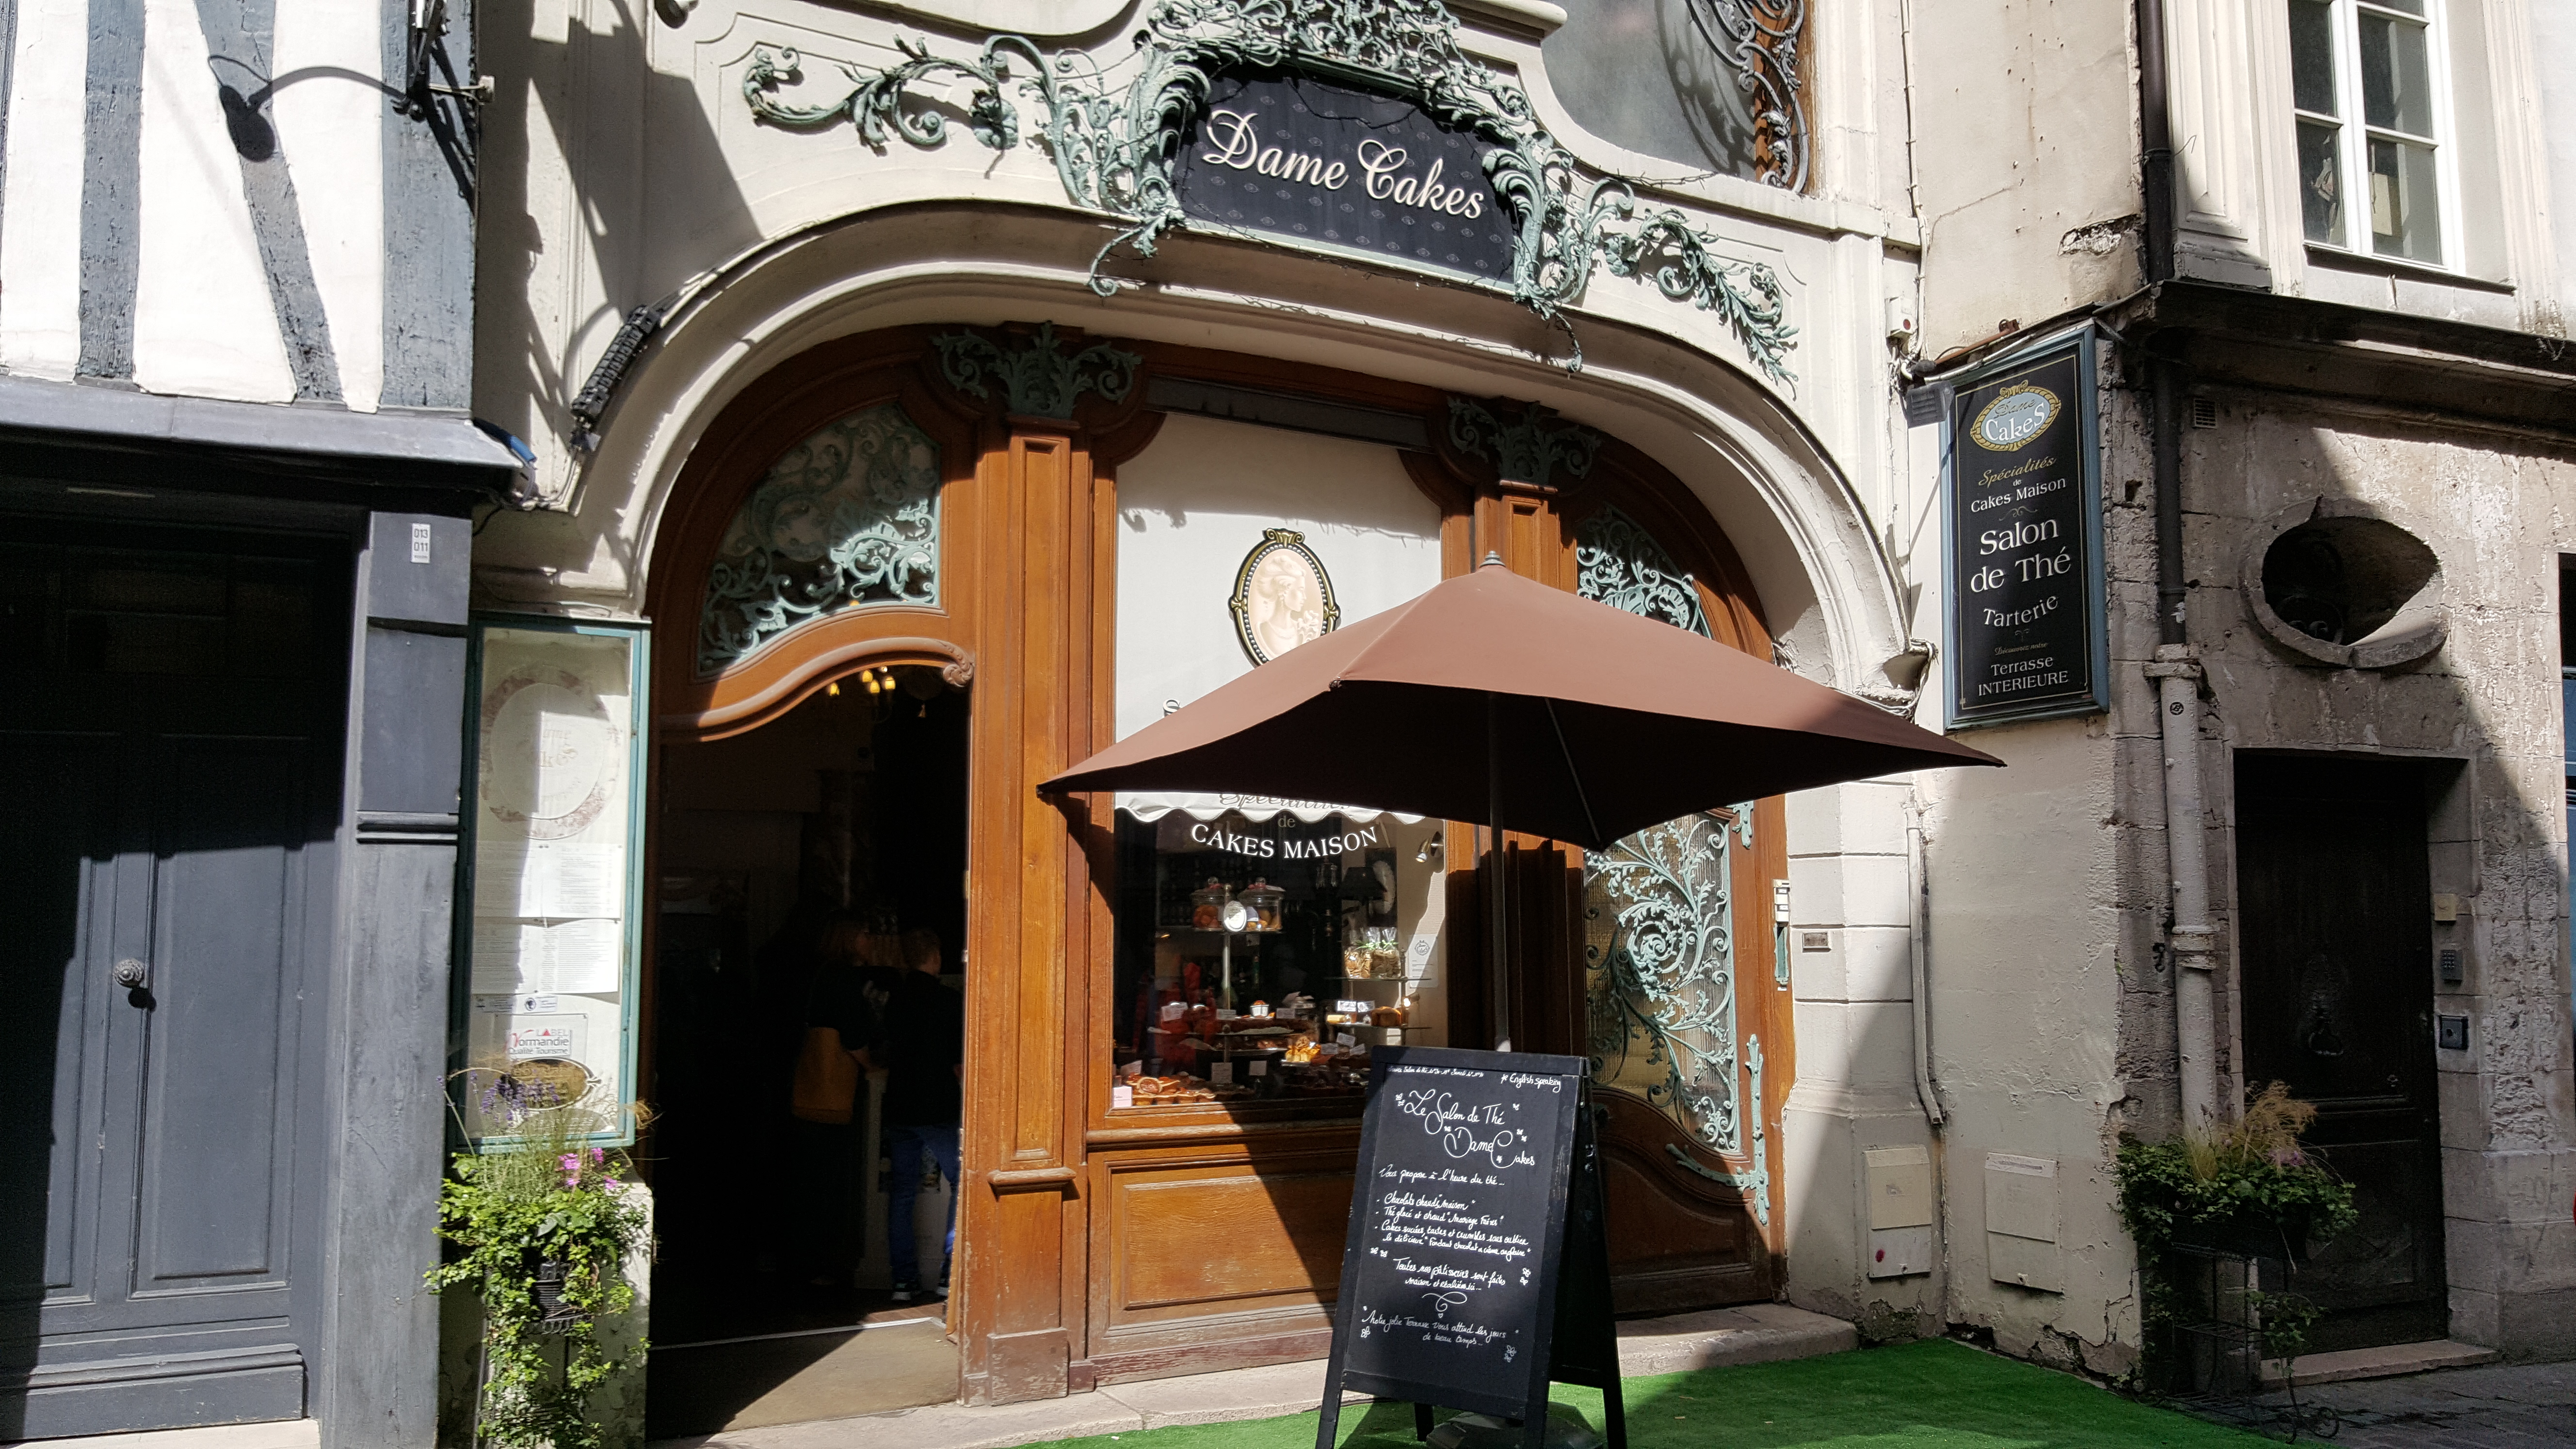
{"x":1901,"y":1211}
{"x":1900,"y":1187}
{"x":2021,"y":1222}
{"x":1899,"y":1252}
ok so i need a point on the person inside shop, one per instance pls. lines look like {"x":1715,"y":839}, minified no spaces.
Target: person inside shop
{"x":922,"y":1047}
{"x":839,"y":1022}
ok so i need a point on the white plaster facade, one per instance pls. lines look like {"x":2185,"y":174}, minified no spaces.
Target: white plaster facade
{"x":2051,"y":1016}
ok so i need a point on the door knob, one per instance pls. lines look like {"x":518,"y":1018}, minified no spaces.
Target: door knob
{"x":133,"y":975}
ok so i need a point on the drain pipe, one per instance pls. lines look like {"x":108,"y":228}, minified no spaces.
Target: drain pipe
{"x":2176,"y":668}
{"x":2176,"y":671}
{"x":1918,"y":871}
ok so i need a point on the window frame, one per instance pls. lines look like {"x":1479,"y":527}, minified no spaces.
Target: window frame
{"x":2354,"y":134}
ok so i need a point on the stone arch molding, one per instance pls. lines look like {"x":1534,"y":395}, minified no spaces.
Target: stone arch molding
{"x":1811,"y":554}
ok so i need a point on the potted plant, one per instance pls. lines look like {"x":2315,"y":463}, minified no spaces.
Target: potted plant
{"x":2244,"y":1192}
{"x":542,"y":1226}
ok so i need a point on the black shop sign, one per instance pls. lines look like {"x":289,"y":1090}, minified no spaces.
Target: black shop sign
{"x":1323,"y":164}
{"x":2022,"y":524}
{"x":1476,"y":1270}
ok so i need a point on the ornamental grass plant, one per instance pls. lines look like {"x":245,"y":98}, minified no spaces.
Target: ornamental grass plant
{"x":2249,"y":1188}
{"x":540,"y":1231}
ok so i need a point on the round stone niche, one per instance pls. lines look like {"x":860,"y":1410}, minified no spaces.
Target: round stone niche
{"x":2338,"y":582}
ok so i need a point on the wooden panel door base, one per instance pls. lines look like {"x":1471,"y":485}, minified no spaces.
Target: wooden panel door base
{"x":1019,"y":1367}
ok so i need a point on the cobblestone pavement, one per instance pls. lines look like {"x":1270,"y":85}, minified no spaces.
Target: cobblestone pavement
{"x":2499,"y":1406}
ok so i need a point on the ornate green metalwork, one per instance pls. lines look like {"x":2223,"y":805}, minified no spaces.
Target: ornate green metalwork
{"x":1116,"y":145}
{"x":1755,"y":1179}
{"x":1659,"y":913}
{"x":1619,"y":563}
{"x":848,"y":519}
{"x":1761,"y":39}
{"x":1529,"y":448}
{"x":1660,"y":975}
{"x":1037,"y":379}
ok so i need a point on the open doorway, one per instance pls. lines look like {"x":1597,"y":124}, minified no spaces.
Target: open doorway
{"x":806,"y":872}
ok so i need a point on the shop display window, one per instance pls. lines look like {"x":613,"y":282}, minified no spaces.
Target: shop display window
{"x":1262,"y":954}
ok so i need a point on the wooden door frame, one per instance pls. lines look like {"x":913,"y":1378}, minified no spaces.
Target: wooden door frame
{"x":1026,"y":614}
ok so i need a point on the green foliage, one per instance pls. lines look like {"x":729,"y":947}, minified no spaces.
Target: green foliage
{"x":2250,"y":1180}
{"x":2285,"y":1319}
{"x":545,"y":1198}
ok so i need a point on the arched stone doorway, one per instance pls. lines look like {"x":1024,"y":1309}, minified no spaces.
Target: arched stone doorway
{"x":1100,"y":1240}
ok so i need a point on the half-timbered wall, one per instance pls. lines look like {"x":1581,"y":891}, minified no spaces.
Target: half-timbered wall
{"x":201,"y":199}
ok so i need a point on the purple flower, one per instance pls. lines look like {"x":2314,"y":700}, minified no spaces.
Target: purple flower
{"x":2288,"y":1157}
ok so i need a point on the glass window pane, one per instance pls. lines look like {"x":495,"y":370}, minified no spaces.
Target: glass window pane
{"x":550,"y":953}
{"x":2396,"y":76}
{"x":1260,"y":956}
{"x":2321,"y":182}
{"x":2312,"y":80}
{"x":2405,"y":219}
{"x":2411,"y":7}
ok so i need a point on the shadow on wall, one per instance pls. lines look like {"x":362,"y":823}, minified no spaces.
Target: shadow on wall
{"x":2012,"y":972}
{"x":642,"y":164}
{"x":1700,"y":116}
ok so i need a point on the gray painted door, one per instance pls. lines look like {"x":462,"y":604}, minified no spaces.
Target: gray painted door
{"x":169,"y":764}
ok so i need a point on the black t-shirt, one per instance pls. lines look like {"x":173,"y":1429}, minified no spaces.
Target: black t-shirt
{"x":839,"y":999}
{"x":923,"y":1040}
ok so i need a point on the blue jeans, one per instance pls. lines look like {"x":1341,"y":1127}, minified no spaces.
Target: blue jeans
{"x":905,"y":1145}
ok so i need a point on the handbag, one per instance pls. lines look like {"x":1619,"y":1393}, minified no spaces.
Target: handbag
{"x":827,"y":1076}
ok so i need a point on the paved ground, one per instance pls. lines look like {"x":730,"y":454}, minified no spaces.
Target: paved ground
{"x":2500,"y":1406}
{"x":1756,"y":1333}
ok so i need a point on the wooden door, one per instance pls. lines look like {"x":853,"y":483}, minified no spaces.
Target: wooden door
{"x":169,"y":768}
{"x":1683,"y":1018}
{"x":2335,"y":951}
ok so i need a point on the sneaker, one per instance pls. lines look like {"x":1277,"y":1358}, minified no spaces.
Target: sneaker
{"x":903,"y":1292}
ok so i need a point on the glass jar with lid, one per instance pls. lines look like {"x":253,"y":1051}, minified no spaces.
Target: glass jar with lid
{"x":1207,"y":905}
{"x":1262,"y":899}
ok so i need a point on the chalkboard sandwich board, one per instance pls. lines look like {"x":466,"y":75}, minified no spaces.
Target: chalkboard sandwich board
{"x":1476,"y":1270}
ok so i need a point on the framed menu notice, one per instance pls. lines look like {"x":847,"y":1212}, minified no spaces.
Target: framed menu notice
{"x":553,"y":791}
{"x":1475,"y":1271}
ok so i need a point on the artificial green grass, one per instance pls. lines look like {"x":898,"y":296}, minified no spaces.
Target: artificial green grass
{"x":1929,"y":1395}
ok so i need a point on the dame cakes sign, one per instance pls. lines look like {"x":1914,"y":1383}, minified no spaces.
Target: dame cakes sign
{"x":2022,"y":519}
{"x":1323,"y":164}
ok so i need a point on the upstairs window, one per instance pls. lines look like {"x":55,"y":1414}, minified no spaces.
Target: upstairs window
{"x":2366,"y":76}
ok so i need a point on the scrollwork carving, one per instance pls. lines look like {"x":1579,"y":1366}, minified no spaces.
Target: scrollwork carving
{"x":1761,"y":39}
{"x":1037,"y":379}
{"x":1116,"y":145}
{"x":1529,"y":448}
{"x":1619,"y":563}
{"x":1661,"y":977}
{"x":849,"y":518}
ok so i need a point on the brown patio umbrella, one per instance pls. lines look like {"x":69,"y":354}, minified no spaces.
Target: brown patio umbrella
{"x":1498,"y":700}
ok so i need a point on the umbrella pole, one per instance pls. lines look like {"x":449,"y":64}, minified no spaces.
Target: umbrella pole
{"x":1498,"y":930}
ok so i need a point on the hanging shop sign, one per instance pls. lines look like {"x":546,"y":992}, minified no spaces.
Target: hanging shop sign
{"x":1299,"y":158}
{"x":1282,"y":597}
{"x":1475,"y":1270}
{"x":2022,"y":546}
